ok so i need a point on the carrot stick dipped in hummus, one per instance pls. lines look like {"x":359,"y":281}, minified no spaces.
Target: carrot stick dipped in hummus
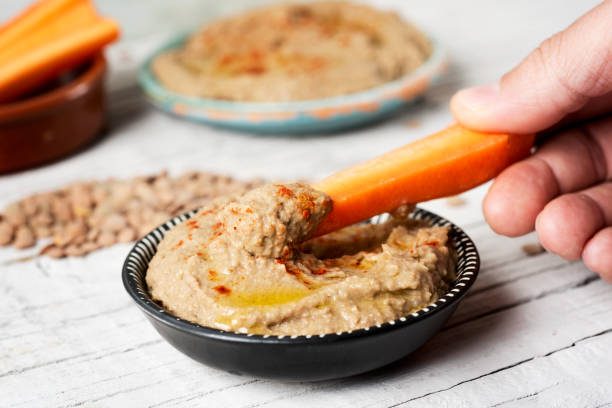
{"x":241,"y":265}
{"x":246,"y":263}
{"x":446,"y":163}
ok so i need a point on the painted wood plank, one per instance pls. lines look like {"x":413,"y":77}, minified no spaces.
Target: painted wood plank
{"x":456,"y":354}
{"x":462,"y":354}
{"x":522,"y":290}
{"x":578,"y":375}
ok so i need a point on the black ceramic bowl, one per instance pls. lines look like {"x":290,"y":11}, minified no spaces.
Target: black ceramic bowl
{"x":301,"y":358}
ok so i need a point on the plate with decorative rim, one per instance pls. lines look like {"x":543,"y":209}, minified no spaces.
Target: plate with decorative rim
{"x":306,"y":357}
{"x":298,"y":117}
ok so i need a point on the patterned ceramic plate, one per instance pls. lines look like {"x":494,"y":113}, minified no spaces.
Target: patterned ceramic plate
{"x":301,"y":358}
{"x":317,"y":115}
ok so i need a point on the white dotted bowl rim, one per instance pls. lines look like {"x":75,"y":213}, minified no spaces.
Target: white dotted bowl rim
{"x":136,"y":264}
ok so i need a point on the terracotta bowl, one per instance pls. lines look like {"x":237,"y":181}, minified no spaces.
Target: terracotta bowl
{"x":301,"y":358}
{"x":54,"y":121}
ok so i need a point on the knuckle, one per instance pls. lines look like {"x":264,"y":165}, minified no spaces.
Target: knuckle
{"x":563,"y":71}
{"x":581,"y":76}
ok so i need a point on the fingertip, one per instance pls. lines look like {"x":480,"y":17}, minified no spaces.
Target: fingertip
{"x":567,"y":223}
{"x":497,"y":109}
{"x":471,"y":107}
{"x":498,"y":209}
{"x":517,"y":196}
{"x":597,"y":254}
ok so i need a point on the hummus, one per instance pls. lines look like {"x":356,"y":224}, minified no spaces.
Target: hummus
{"x":238,"y":265}
{"x":290,"y":52}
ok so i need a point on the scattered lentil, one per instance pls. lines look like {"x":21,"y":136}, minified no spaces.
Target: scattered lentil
{"x":532,"y":249}
{"x":456,"y":201}
{"x":24,"y":237}
{"x":85,"y":216}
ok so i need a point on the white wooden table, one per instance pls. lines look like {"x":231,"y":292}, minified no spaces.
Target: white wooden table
{"x":532,"y":331}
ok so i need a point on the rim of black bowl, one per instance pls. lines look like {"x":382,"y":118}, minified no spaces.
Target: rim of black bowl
{"x":137,"y":261}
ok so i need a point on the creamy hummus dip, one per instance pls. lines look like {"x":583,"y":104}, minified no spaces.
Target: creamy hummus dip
{"x":241,"y":265}
{"x":290,"y":52}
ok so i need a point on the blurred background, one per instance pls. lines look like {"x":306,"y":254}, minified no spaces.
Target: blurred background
{"x":474,"y":32}
{"x":483,"y":39}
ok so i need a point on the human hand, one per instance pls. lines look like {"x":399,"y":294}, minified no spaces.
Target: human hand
{"x":564,"y":190}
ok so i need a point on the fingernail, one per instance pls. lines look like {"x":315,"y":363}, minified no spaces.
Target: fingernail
{"x":479,"y":98}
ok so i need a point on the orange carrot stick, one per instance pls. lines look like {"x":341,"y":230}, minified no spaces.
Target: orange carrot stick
{"x":443,"y":164}
{"x":80,"y":13}
{"x":35,"y":16}
{"x":35,"y":67}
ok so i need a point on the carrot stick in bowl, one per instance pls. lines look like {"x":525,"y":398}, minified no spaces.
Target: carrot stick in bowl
{"x":446,"y":163}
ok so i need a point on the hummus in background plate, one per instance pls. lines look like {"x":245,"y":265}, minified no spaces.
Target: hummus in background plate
{"x":294,"y":52}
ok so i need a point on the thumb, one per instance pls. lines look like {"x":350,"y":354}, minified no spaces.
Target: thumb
{"x":556,"y":79}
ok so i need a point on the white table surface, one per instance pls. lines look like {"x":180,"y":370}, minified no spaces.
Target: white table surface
{"x":532,"y":331}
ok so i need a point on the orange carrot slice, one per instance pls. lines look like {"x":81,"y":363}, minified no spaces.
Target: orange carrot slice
{"x":34,"y":17}
{"x":79,"y":14}
{"x":48,"y":38}
{"x":443,"y":164}
{"x":35,"y":67}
